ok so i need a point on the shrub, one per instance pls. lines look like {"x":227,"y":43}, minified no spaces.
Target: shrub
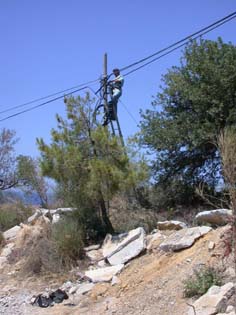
{"x":13,"y":214}
{"x":2,"y":240}
{"x":201,"y":281}
{"x":67,"y":236}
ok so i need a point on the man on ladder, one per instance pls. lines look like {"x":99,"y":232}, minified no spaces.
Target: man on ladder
{"x":115,"y":91}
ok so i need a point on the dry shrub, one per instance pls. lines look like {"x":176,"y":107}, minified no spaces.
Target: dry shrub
{"x":35,"y":252}
{"x":226,"y":143}
{"x":126,"y":216}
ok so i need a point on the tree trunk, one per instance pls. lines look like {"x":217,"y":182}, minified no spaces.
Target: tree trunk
{"x":105,"y":218}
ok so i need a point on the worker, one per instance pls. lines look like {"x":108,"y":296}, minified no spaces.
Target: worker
{"x":115,"y":90}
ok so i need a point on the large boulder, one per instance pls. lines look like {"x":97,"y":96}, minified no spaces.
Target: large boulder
{"x":183,"y":238}
{"x":103,"y":274}
{"x":214,"y":301}
{"x":120,"y":249}
{"x":171,"y":225}
{"x":214,"y":217}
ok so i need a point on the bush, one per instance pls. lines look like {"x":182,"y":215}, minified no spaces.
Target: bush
{"x":67,"y":235}
{"x":2,"y":240}
{"x":13,"y":214}
{"x":201,"y":281}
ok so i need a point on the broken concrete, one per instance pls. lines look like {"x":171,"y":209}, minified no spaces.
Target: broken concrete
{"x":183,"y":238}
{"x":120,"y":249}
{"x":11,"y":233}
{"x":214,"y":301}
{"x":214,"y":217}
{"x":103,"y":274}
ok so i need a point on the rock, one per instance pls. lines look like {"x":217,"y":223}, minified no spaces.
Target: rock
{"x":115,"y":280}
{"x":67,"y":286}
{"x":95,"y":255}
{"x":120,"y":249}
{"x":154,"y":240}
{"x":171,"y":225}
{"x":11,"y":233}
{"x":73,"y":289}
{"x":63,"y":210}
{"x":214,"y":217}
{"x":214,"y":300}
{"x":55,"y":218}
{"x":34,"y":217}
{"x":6,"y":251}
{"x":102,"y":263}
{"x":84,"y":288}
{"x":183,"y":238}
{"x":211,"y":245}
{"x":103,"y":274}
{"x":92,"y":247}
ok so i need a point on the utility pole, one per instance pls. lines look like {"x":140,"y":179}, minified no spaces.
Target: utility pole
{"x":105,"y":98}
{"x":105,"y":92}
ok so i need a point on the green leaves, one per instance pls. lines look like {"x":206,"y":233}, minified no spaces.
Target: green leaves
{"x":198,"y":100}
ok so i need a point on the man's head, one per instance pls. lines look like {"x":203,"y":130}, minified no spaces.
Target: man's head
{"x":116,"y":72}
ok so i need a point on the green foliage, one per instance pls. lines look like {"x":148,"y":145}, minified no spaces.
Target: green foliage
{"x":88,"y":163}
{"x":31,"y":178}
{"x":13,"y":214}
{"x":197,"y":101}
{"x":201,"y":281}
{"x":8,"y":178}
{"x":2,"y":240}
{"x":67,"y":236}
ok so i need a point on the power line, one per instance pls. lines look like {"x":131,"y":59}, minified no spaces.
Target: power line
{"x":179,"y":46}
{"x":131,"y":115}
{"x":205,"y":30}
{"x":50,"y":95}
{"x":42,"y":104}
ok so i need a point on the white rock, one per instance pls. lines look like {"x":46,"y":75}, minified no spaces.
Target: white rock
{"x":183,"y":238}
{"x":35,"y":216}
{"x":154,"y":240}
{"x":124,"y":247}
{"x":11,"y":233}
{"x":6,"y":251}
{"x":55,"y":218}
{"x":211,"y":245}
{"x":92,"y":247}
{"x":115,"y":280}
{"x":102,"y":263}
{"x":171,"y":225}
{"x":84,"y":288}
{"x":73,"y":289}
{"x":214,"y":300}
{"x":94,"y":255}
{"x":215,"y":217}
{"x":103,"y":274}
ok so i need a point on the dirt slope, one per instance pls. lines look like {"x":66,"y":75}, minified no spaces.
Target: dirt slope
{"x":150,"y":284}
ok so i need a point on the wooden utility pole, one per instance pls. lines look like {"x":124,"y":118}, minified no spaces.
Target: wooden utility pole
{"x":105,"y":97}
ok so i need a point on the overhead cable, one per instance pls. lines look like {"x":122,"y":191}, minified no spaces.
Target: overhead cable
{"x":50,"y":95}
{"x":187,"y":38}
{"x":42,"y":104}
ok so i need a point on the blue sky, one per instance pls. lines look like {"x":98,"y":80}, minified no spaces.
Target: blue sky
{"x":48,"y":46}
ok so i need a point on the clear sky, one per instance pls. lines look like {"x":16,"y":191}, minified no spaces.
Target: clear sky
{"x":51,"y":45}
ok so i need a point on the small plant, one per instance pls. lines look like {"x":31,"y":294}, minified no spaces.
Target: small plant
{"x":201,"y":281}
{"x":68,"y":239}
{"x":13,"y":214}
{"x":2,"y":240}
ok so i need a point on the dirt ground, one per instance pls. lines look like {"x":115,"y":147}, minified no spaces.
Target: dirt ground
{"x":151,"y":284}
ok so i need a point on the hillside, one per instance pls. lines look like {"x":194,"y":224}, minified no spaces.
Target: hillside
{"x":151,"y":283}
